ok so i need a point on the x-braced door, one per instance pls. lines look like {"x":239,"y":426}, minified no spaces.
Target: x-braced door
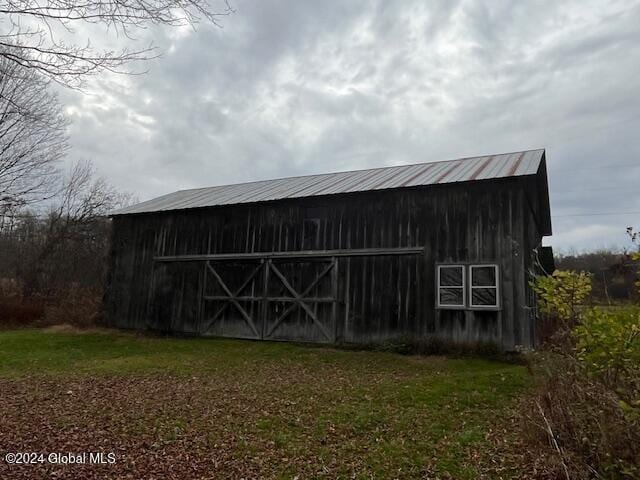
{"x":232,"y":297}
{"x":301,"y":299}
{"x":284,"y":299}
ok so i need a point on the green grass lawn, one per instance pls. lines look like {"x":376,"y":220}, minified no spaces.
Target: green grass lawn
{"x":214,"y":408}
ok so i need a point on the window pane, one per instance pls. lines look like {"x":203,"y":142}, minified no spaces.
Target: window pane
{"x":451,"y":296}
{"x":483,"y":276}
{"x":483,"y":297}
{"x":451,"y":276}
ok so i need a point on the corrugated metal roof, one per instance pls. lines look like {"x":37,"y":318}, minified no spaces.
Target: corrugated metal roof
{"x":450,"y":171}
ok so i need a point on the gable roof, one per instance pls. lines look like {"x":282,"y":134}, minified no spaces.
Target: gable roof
{"x":449,"y":171}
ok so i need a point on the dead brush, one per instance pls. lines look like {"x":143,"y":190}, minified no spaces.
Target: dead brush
{"x":579,"y":421}
{"x":16,"y":312}
{"x":76,"y":306}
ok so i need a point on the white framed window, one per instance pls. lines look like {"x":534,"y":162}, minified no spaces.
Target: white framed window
{"x":451,"y":291}
{"x":484,"y":291}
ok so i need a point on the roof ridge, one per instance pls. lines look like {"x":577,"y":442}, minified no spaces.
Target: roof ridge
{"x":358,"y":170}
{"x":480,"y":167}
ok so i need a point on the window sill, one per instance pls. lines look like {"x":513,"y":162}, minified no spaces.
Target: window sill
{"x":472,"y":309}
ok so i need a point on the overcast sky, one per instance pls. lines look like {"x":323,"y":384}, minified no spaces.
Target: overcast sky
{"x":301,"y":87}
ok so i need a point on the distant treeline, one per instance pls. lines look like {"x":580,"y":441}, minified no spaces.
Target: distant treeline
{"x":614,"y":273}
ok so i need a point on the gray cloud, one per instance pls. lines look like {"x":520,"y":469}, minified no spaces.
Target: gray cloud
{"x":289,"y":88}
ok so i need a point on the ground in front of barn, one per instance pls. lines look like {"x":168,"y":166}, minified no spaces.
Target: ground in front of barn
{"x":215,"y":408}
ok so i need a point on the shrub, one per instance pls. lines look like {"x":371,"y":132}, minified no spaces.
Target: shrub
{"x":561,"y":299}
{"x":561,"y":294}
{"x":16,"y":312}
{"x":588,"y":404}
{"x":608,"y":349}
{"x":76,"y":306}
{"x":10,"y":288}
{"x":583,"y":422}
{"x":608,"y":341}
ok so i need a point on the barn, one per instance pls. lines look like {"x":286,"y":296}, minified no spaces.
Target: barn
{"x":441,"y":249}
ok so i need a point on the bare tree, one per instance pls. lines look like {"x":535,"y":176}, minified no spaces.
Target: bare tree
{"x":33,"y":32}
{"x":83,"y":198}
{"x":75,"y":225}
{"x":32,"y":136}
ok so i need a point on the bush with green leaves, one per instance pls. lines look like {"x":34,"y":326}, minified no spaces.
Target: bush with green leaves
{"x":561,"y":294}
{"x":589,"y":395}
{"x":608,"y":348}
{"x":608,"y":341}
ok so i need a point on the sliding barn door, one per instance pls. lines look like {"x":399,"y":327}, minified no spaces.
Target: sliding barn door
{"x":232,"y":299}
{"x":283,"y":299}
{"x":301,"y":300}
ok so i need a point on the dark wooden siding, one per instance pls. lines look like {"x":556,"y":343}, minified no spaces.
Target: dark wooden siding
{"x":380,"y":297}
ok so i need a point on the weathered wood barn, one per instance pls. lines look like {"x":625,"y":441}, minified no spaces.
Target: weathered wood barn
{"x":442,"y":249}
